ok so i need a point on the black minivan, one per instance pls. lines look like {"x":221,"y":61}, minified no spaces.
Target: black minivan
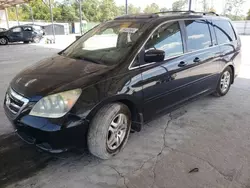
{"x":119,"y":75}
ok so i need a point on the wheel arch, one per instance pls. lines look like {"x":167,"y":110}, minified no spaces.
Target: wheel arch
{"x":233,"y":70}
{"x":231,"y":65}
{"x":5,"y":37}
{"x":130,"y":102}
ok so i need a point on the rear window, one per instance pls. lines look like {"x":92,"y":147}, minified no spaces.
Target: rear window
{"x":224,"y":31}
{"x":198,"y":35}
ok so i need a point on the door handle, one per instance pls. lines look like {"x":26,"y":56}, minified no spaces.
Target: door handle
{"x":197,"y":60}
{"x":182,"y":64}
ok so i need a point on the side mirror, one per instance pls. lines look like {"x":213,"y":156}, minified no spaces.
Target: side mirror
{"x":154,"y":56}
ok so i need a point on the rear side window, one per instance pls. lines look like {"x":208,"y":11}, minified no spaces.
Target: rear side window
{"x":224,"y":31}
{"x":167,"y":38}
{"x":198,"y":35}
{"x":16,"y":30}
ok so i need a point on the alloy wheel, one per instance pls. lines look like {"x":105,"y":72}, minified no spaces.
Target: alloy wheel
{"x":36,"y":40}
{"x":3,"y":41}
{"x":117,"y":131}
{"x":225,"y":81}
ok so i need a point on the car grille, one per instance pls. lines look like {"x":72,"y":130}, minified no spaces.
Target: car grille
{"x":15,"y":102}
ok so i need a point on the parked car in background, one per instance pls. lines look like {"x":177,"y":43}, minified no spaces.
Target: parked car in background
{"x":2,"y":29}
{"x":38,"y":28}
{"x":120,"y":75}
{"x":23,"y":33}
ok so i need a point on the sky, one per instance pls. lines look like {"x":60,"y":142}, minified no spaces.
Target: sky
{"x":218,"y":4}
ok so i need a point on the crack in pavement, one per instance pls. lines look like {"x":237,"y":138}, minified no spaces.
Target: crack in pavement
{"x":163,"y":147}
{"x":235,"y":176}
{"x":143,"y":163}
{"x":227,"y":177}
{"x":121,"y":176}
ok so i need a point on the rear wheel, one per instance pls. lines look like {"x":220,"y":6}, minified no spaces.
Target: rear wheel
{"x":26,"y":42}
{"x":36,"y":39}
{"x":109,"y":130}
{"x":3,"y":41}
{"x":224,"y":82}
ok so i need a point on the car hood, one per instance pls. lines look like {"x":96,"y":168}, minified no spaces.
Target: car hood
{"x":2,"y":33}
{"x":47,"y":76}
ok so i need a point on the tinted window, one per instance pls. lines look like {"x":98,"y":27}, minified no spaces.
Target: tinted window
{"x":167,"y":38}
{"x":37,"y":27}
{"x":27,"y":28}
{"x":16,"y":30}
{"x":224,"y":31}
{"x":198,"y":35}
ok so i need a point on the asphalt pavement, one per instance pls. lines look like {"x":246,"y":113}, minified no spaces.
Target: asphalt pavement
{"x":205,"y":143}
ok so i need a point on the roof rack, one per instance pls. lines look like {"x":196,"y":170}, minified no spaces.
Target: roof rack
{"x":155,"y":15}
{"x":187,"y":12}
{"x":137,"y":16}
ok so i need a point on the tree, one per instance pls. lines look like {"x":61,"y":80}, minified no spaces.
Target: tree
{"x":179,"y":5}
{"x":152,"y":8}
{"x":108,"y":10}
{"x":204,"y":4}
{"x":164,"y":9}
{"x":131,"y":9}
{"x":91,"y":10}
{"x":248,"y":15}
{"x":233,"y":7}
{"x":40,"y":10}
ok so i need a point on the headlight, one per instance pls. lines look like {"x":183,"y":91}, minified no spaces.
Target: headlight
{"x":56,"y":105}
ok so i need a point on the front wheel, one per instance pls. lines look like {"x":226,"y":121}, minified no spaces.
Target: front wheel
{"x":109,"y":130}
{"x":3,"y":41}
{"x":224,"y":82}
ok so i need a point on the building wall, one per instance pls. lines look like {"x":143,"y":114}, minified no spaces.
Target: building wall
{"x":3,"y":21}
{"x":242,"y":27}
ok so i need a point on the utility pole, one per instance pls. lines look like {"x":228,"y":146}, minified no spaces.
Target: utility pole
{"x":7,"y":18}
{"x":52,"y":20}
{"x":126,"y":5}
{"x":190,"y":5}
{"x":80,"y":11}
{"x":31,"y":13}
{"x":17,"y":17}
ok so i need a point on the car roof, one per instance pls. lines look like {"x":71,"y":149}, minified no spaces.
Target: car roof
{"x":172,"y":15}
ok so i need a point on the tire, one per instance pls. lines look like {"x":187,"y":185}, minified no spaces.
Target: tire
{"x":3,"y":41}
{"x":102,"y":132}
{"x":36,"y":39}
{"x":26,"y":42}
{"x":227,"y":76}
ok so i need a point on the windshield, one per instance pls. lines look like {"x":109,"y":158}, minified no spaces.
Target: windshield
{"x":108,"y":43}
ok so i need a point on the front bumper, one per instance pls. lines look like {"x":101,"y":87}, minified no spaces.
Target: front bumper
{"x":54,"y":137}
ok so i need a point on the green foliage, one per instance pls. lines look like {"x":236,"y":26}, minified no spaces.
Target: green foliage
{"x":235,"y":17}
{"x":152,"y":8}
{"x":165,"y":9}
{"x":91,"y":10}
{"x":102,"y":10}
{"x":179,"y":5}
{"x":248,"y":15}
{"x":108,"y":10}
